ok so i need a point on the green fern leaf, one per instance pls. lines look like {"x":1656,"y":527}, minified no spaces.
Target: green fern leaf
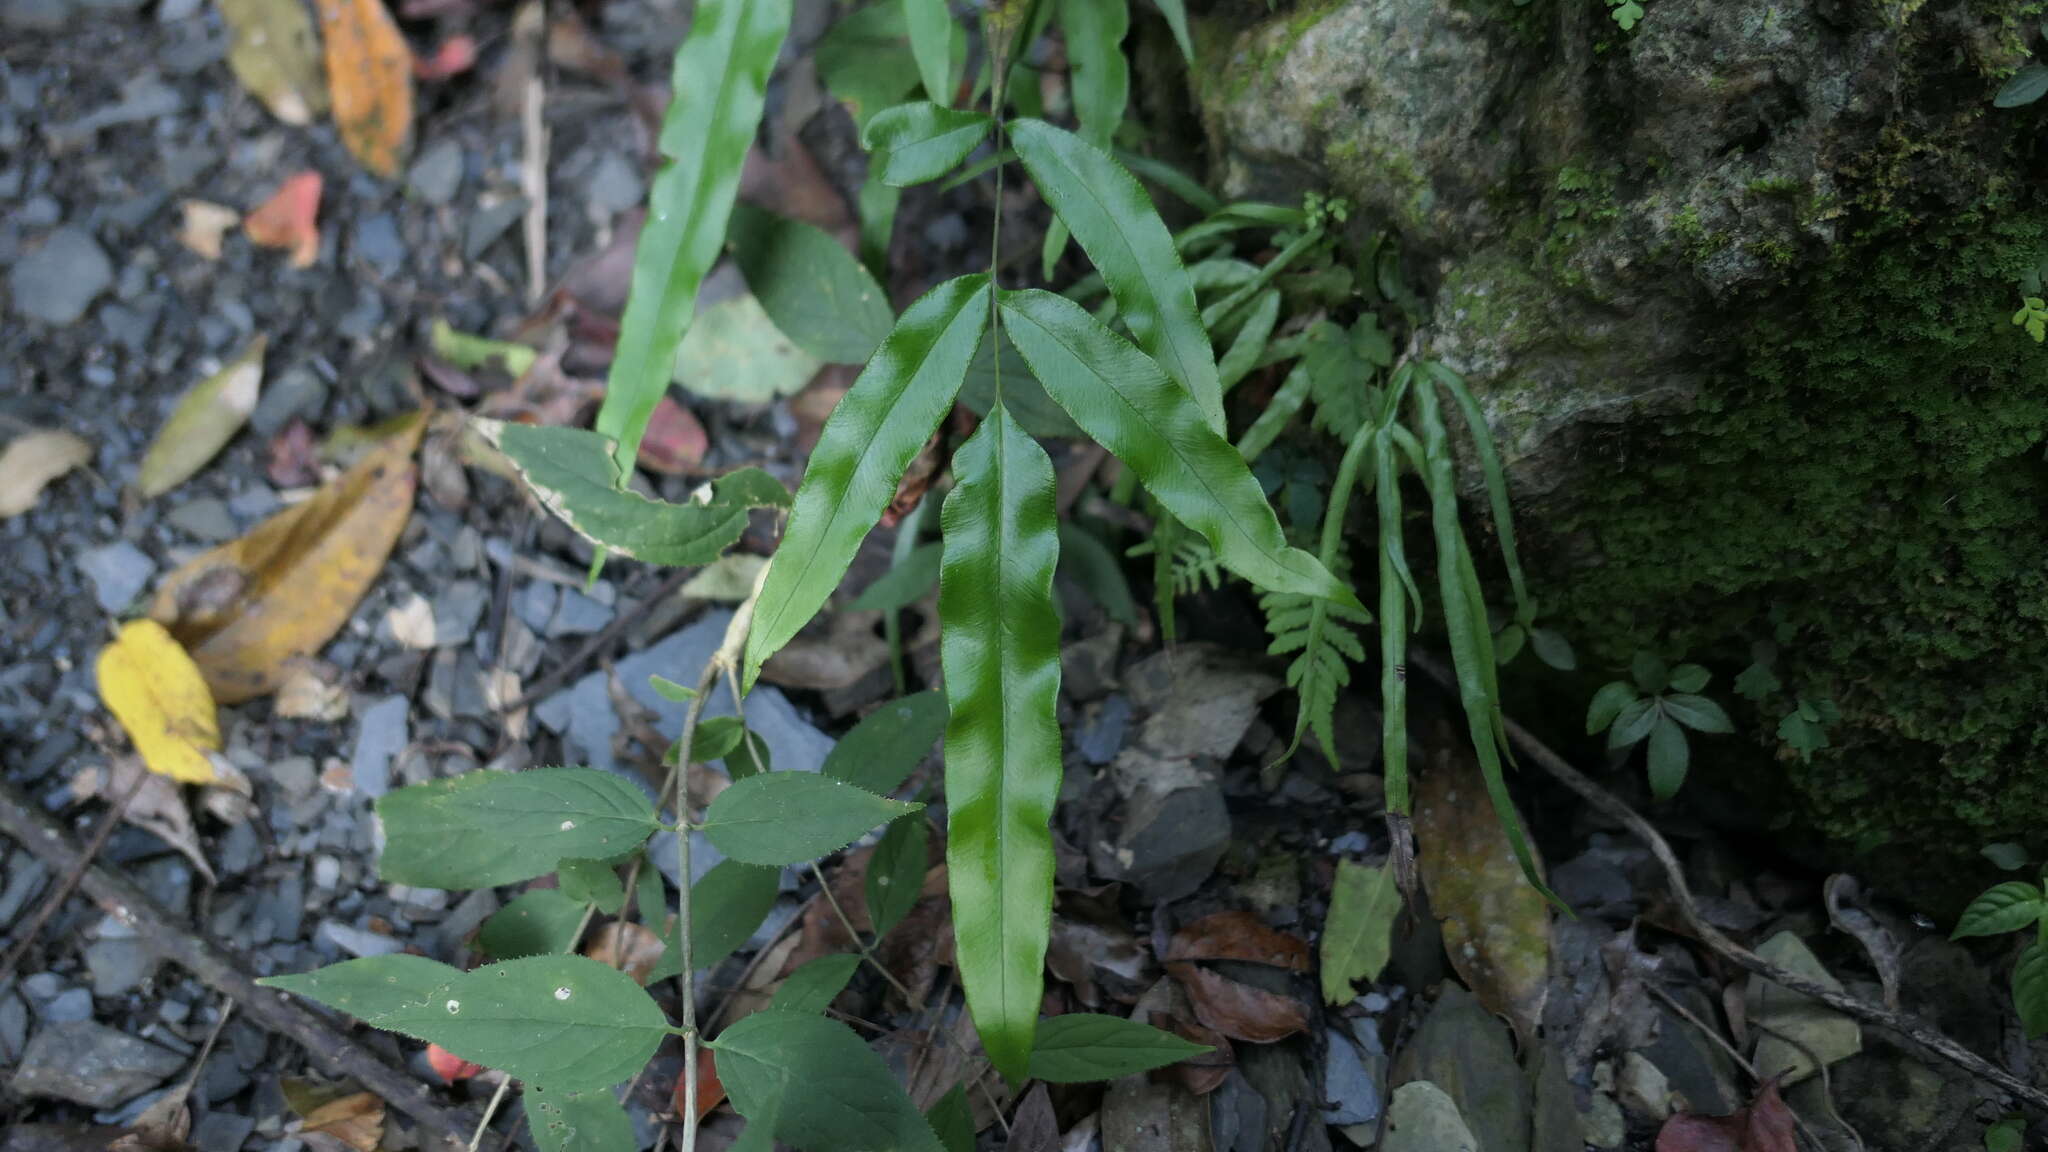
{"x":1323,"y":636}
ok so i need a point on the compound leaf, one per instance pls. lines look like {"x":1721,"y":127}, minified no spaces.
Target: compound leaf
{"x":814,"y":986}
{"x":1085,"y":1046}
{"x":726,"y":905}
{"x":790,"y":817}
{"x":485,"y":828}
{"x":920,"y":141}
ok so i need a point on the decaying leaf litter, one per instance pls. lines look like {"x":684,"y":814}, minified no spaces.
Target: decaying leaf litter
{"x":402,"y":616}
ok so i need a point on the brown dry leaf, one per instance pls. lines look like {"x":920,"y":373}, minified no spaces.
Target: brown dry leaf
{"x":294,"y":457}
{"x":369,"y":75}
{"x":1099,"y":958}
{"x":675,"y":442}
{"x":710,"y":1091}
{"x":357,"y":1120}
{"x":231,"y":799}
{"x":160,"y":696}
{"x":31,"y":461}
{"x":1034,"y":1127}
{"x":246,"y":609}
{"x":1765,"y":1126}
{"x":769,"y":969}
{"x":311,"y":691}
{"x":290,"y":219}
{"x":157,"y":806}
{"x":162,"y":1127}
{"x":276,"y":56}
{"x":631,"y":948}
{"x":1496,"y":925}
{"x":206,"y":418}
{"x":206,"y":226}
{"x":411,"y":621}
{"x":846,"y":650}
{"x":786,"y":180}
{"x":1238,"y":935}
{"x":1239,"y":1010}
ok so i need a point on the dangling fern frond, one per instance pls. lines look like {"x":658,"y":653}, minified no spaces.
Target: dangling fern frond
{"x":1194,"y":565}
{"x":1323,"y":636}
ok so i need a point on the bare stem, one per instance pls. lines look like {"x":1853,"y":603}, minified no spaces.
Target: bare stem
{"x":866,"y":953}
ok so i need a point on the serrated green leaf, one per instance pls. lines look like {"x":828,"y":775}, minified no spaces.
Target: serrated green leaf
{"x":1080,"y":1047}
{"x":822,"y":298}
{"x":1689,"y":678}
{"x":1801,"y":734}
{"x":931,"y":43}
{"x":1087,"y":561}
{"x":1632,"y":723}
{"x":563,"y":1022}
{"x":813,"y":987}
{"x":999,"y":646}
{"x":715,"y":738}
{"x":368,"y":989}
{"x":1757,"y":681}
{"x":592,"y":882}
{"x":1129,"y":406}
{"x":1358,"y":931}
{"x":2002,"y":908}
{"x":534,"y":923}
{"x":1697,"y":713}
{"x":952,"y":1119}
{"x":650,"y":897}
{"x":916,"y":142}
{"x":720,"y":79}
{"x":879,"y":426}
{"x":1113,"y":220}
{"x":485,"y":828}
{"x":791,"y":817}
{"x":1669,"y":756}
{"x":817,"y":1084}
{"x":903,"y":585}
{"x":888,"y":744}
{"x":571,"y":471}
{"x":896,"y":873}
{"x":2030,"y":988}
{"x":577,"y":1121}
{"x":727,"y":905}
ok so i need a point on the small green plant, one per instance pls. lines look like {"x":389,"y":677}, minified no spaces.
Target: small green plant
{"x":2008,"y":1135}
{"x":1625,"y":13}
{"x":1656,"y":706}
{"x":2015,"y":906}
{"x":2033,"y":316}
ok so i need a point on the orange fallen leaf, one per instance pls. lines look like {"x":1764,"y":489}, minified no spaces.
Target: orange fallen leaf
{"x":675,"y":442}
{"x":456,"y":55}
{"x":1239,"y":1011}
{"x":369,"y":79}
{"x":710,"y":1092}
{"x":450,"y":1067}
{"x":246,"y":609}
{"x":290,"y":219}
{"x":631,"y":948}
{"x":1238,"y":935}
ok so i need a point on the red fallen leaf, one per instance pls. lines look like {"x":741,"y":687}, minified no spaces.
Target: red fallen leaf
{"x":294,"y":457}
{"x":289,"y":219}
{"x":1237,"y":935}
{"x":709,"y":1091}
{"x":450,"y":1067}
{"x":675,"y":442}
{"x":456,"y":55}
{"x":1765,"y":1126}
{"x":1238,"y":1010}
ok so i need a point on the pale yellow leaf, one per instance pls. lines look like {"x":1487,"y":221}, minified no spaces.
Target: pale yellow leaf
{"x":31,"y":462}
{"x":276,"y":56}
{"x":203,"y":422}
{"x":157,"y":693}
{"x":205,"y":226}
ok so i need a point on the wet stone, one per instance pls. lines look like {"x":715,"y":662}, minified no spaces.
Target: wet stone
{"x":118,"y":571}
{"x":437,"y":174}
{"x":91,"y":1064}
{"x":57,"y":281}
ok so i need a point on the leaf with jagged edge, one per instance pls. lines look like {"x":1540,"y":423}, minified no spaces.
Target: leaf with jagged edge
{"x":919,"y":141}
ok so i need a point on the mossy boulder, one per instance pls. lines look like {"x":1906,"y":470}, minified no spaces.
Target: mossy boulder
{"x":1735,"y":288}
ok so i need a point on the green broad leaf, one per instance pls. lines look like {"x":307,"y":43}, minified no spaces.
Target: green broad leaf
{"x":1803,"y":735}
{"x":650,"y":897}
{"x":736,"y":352}
{"x":952,"y":1119}
{"x":671,"y":691}
{"x":1697,"y":712}
{"x":814,"y":986}
{"x":814,"y":290}
{"x":1176,"y":13}
{"x":577,"y":1121}
{"x":921,"y":141}
{"x":1080,"y":1047}
{"x":903,"y":585}
{"x":1507,"y":643}
{"x":2002,"y":908}
{"x":877,"y":204}
{"x":1669,"y":757}
{"x":1128,"y":405}
{"x":930,"y":24}
{"x":727,"y":905}
{"x":1689,"y":678}
{"x":1097,"y":73}
{"x":715,"y":738}
{"x":866,"y":61}
{"x":1608,"y":703}
{"x":793,"y":817}
{"x":2025,"y":86}
{"x":750,"y":757}
{"x":1022,"y":394}
{"x":1553,"y":649}
{"x":720,"y":78}
{"x":888,"y":744}
{"x":1358,"y":932}
{"x":2008,"y":1135}
{"x":1632,"y":723}
{"x":999,"y":647}
{"x":1113,"y":220}
{"x":1491,"y":471}
{"x":563,"y":1022}
{"x":879,"y":426}
{"x":571,"y":470}
{"x":2008,"y":856}
{"x":1089,"y":562}
{"x":371,"y":988}
{"x":819,"y":1086}
{"x":1650,"y":673}
{"x":1757,"y":682}
{"x":592,"y":882}
{"x":485,"y":828}
{"x":896,"y":873}
{"x":534,"y":923}
{"x":2030,"y":988}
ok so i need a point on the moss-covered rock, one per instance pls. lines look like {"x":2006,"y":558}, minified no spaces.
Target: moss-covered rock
{"x":1735,"y":289}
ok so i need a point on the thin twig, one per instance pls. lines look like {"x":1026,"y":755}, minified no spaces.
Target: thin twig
{"x":476,"y":1140}
{"x":1911,"y":1028}
{"x":533,"y":173}
{"x":915,"y":1002}
{"x":1736,"y":1055}
{"x":63,"y":891}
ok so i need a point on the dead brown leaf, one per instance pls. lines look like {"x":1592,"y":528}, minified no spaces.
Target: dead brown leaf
{"x":369,"y":77}
{"x":1238,"y":935}
{"x":356,"y":1120}
{"x":206,"y":226}
{"x":246,"y":609}
{"x":1496,"y":925}
{"x":157,"y":807}
{"x":1765,"y":1126}
{"x":31,"y":462}
{"x":294,"y":457}
{"x":710,"y":1090}
{"x":631,"y":948}
{"x":675,"y":442}
{"x":1239,"y":1010}
{"x":1034,"y":1127}
{"x":290,"y":219}
{"x":311,"y":691}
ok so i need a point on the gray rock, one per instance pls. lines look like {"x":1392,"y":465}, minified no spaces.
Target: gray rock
{"x":222,"y":1132}
{"x":118,"y":965}
{"x":119,"y":572}
{"x":1201,"y":698}
{"x":35,"y":15}
{"x":1088,"y":665}
{"x":358,"y":941}
{"x":1465,"y":1051}
{"x":13,"y":1027}
{"x":1643,"y":1089}
{"x":206,"y":518}
{"x":26,"y":876}
{"x":172,"y":11}
{"x":535,"y":605}
{"x":1425,"y":1118}
{"x":1176,"y":826}
{"x":615,"y":184}
{"x":1354,"y":1076}
{"x":437,"y":174}
{"x":66,"y":1007}
{"x":457,"y":609}
{"x":1102,"y":735}
{"x":380,"y":736}
{"x":296,"y":393}
{"x":91,"y":1064}
{"x":239,"y":850}
{"x":296,"y":775}
{"x":489,"y":223}
{"x":377,"y":241}
{"x":578,"y":615}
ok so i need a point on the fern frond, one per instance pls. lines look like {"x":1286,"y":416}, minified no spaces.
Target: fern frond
{"x":1323,"y":635}
{"x":1195,"y":565}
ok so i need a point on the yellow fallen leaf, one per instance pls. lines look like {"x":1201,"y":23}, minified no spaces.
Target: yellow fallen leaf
{"x":157,"y":693}
{"x":203,"y":422}
{"x":369,"y":77}
{"x":247,"y":609}
{"x":30,"y":462}
{"x":276,"y":56}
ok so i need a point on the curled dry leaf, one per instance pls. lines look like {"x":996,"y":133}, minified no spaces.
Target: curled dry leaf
{"x":294,"y":457}
{"x":311,"y":691}
{"x":369,"y":76}
{"x":206,"y":225}
{"x":206,"y":418}
{"x":631,"y":948}
{"x":31,"y":461}
{"x":1765,"y":1126}
{"x":1846,"y":913}
{"x":153,"y":687}
{"x":276,"y":56}
{"x":1238,"y":935}
{"x":156,"y":805}
{"x":450,"y":1067}
{"x":290,"y":219}
{"x":1239,"y":1010}
{"x":246,"y":609}
{"x":1496,"y":925}
{"x":355,"y":1120}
